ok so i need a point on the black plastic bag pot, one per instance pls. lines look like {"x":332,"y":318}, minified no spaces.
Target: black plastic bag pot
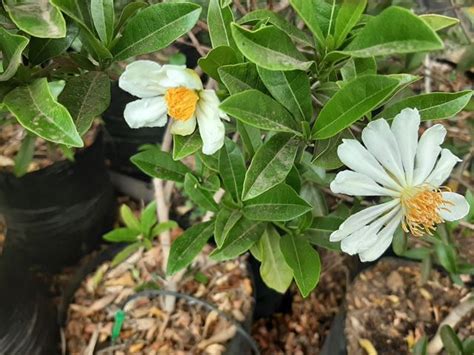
{"x":122,"y":141}
{"x":28,"y":317}
{"x":57,"y":214}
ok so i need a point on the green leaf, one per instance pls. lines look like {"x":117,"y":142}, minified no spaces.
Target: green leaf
{"x":187,"y":246}
{"x":225,"y":221}
{"x":347,"y":17}
{"x":451,"y":341}
{"x":280,"y":203}
{"x":357,"y":67}
{"x":359,"y":97}
{"x":217,"y":58}
{"x":270,"y":48}
{"x":446,"y":256}
{"x":240,"y":238}
{"x":240,"y":77}
{"x":420,"y":346}
{"x":432,"y":106}
{"x":313,"y":14}
{"x":394,"y":31}
{"x":274,"y":270}
{"x":325,"y":151}
{"x":122,"y":235}
{"x":148,"y":218}
{"x":12,"y":47}
{"x":468,"y":345}
{"x":439,"y":22}
{"x":270,"y":165}
{"x":103,"y":16}
{"x":86,"y":97}
{"x":232,"y":169}
{"x":125,"y":254}
{"x":219,"y":20}
{"x":303,"y":260}
{"x":154,"y":28}
{"x":128,"y":12}
{"x":278,"y":21}
{"x":38,"y":18}
{"x":24,"y":155}
{"x":184,"y":146}
{"x":198,"y":195}
{"x":37,"y":111}
{"x":251,"y":137}
{"x":162,"y":227}
{"x":42,"y":49}
{"x":291,"y":89}
{"x":259,"y":110}
{"x":400,"y":242}
{"x":130,"y":220}
{"x":320,"y":230}
{"x":159,"y":164}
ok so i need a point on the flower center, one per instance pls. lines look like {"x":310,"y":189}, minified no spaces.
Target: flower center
{"x":421,"y":207}
{"x":181,"y":103}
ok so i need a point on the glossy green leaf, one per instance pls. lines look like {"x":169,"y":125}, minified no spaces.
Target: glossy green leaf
{"x":280,"y":203}
{"x":86,"y":97}
{"x":303,"y":260}
{"x":103,"y":16}
{"x":274,"y":270}
{"x":270,"y":165}
{"x":451,"y":341}
{"x":25,"y":155}
{"x":198,"y":195}
{"x":122,"y":235}
{"x":291,"y":89}
{"x":240,"y":77}
{"x":188,"y":246}
{"x":129,"y":218}
{"x":36,"y":109}
{"x":259,"y":110}
{"x":148,"y":218}
{"x":128,"y":12}
{"x":162,"y":227}
{"x":240,"y":238}
{"x":320,"y":230}
{"x":42,"y":49}
{"x":325,"y":151}
{"x":184,"y":146}
{"x":432,"y":106}
{"x":154,"y":28}
{"x":357,"y":67}
{"x":225,"y":221}
{"x":278,"y":21}
{"x":270,"y":48}
{"x":38,"y":18}
{"x":347,"y":17}
{"x":394,"y":31}
{"x":438,"y":22}
{"x":217,"y":58}
{"x":315,"y":15}
{"x":12,"y":47}
{"x":159,"y":164}
{"x":232,"y":169}
{"x":219,"y":20}
{"x":359,"y":97}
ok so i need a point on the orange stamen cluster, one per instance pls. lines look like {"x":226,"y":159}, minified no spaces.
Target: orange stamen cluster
{"x":421,"y":207}
{"x":181,"y":103}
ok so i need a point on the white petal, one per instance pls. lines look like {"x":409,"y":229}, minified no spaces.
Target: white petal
{"x":443,"y":168}
{"x":355,"y":184}
{"x":149,"y":112}
{"x":364,"y":238}
{"x":356,"y":157}
{"x":380,"y":141}
{"x":141,"y":78}
{"x":384,"y":239}
{"x":183,"y":128}
{"x":178,"y":75}
{"x":427,"y":152}
{"x":210,"y":97}
{"x":211,"y":128}
{"x":360,"y":219}
{"x":405,"y":129}
{"x":457,"y":208}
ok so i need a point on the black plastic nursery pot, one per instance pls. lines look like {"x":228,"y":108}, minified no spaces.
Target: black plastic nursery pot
{"x":57,"y":214}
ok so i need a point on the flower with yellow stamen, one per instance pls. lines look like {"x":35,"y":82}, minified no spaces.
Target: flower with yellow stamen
{"x":177,"y":92}
{"x":395,"y":164}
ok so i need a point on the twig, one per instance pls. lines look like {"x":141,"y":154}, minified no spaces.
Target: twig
{"x":201,"y":50}
{"x":453,"y":318}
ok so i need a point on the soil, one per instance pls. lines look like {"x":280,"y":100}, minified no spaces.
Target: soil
{"x":388,"y":307}
{"x":304,"y":328}
{"x":46,"y":154}
{"x":147,"y":328}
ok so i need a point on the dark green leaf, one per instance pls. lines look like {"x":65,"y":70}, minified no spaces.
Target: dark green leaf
{"x":357,"y":67}
{"x":347,"y":17}
{"x":325,"y":151}
{"x":451,"y":341}
{"x":320,"y":230}
{"x":314,"y":15}
{"x":103,"y":16}
{"x":240,"y":77}
{"x":24,"y":155}
{"x":225,"y":221}
{"x":232,"y":169}
{"x":217,"y":58}
{"x":446,"y":256}
{"x":198,"y":195}
{"x":219,"y":20}
{"x":12,"y":47}
{"x":40,"y":50}
{"x":420,"y":346}
{"x":128,"y":12}
{"x":184,"y":146}
{"x":400,"y":242}
{"x":251,"y":137}
{"x":122,"y":235}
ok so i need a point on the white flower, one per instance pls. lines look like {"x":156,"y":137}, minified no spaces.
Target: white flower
{"x":395,"y":164}
{"x":175,"y":91}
